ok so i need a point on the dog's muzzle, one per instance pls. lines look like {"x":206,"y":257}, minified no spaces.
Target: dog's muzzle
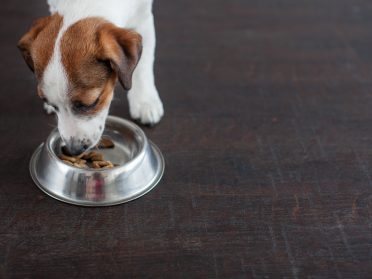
{"x":75,"y":146}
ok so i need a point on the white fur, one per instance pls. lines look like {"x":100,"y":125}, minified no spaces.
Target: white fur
{"x":143,"y":98}
{"x":48,"y":108}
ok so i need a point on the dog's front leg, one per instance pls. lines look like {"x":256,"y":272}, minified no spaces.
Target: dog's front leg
{"x":144,"y":102}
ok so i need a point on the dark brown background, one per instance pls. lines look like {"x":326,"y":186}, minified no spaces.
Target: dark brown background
{"x":267,"y":139}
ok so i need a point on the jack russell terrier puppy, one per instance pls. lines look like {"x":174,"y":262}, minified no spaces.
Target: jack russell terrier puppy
{"x":78,"y":53}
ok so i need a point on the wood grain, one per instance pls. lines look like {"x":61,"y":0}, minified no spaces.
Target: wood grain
{"x":267,"y":140}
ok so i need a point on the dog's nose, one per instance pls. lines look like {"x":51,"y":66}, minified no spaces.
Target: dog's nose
{"x":74,"y":151}
{"x":74,"y":148}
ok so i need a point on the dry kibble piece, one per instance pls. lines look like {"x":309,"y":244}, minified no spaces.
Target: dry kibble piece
{"x":85,"y":156}
{"x":83,"y":166}
{"x":91,"y":159}
{"x":67,"y":158}
{"x":98,"y":157}
{"x":109,"y":166}
{"x":106,"y":164}
{"x":96,"y":165}
{"x":80,"y":156}
{"x":106,"y":143}
{"x":100,"y":163}
{"x":93,"y":156}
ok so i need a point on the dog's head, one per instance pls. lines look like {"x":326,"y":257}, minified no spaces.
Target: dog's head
{"x":77,"y":68}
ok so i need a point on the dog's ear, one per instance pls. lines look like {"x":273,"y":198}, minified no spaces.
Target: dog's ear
{"x":25,"y":43}
{"x":122,"y":48}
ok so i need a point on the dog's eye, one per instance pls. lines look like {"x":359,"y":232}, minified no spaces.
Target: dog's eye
{"x":81,"y":107}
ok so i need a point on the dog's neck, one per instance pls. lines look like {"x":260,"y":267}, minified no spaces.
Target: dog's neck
{"x":120,"y":12}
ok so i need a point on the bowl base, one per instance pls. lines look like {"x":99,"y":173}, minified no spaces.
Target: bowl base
{"x":124,"y":197}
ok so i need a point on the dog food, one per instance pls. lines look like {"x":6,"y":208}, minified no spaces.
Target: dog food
{"x":106,"y":143}
{"x":91,"y":159}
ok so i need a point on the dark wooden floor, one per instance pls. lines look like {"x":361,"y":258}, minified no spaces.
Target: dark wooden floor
{"x":267,"y":139}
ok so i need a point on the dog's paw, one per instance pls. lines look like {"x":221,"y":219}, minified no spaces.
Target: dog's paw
{"x":48,"y":109}
{"x":148,"y":111}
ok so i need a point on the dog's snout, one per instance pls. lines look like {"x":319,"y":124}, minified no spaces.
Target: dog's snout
{"x":75,"y":147}
{"x":72,"y":150}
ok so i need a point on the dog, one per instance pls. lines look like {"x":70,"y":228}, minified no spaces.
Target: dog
{"x":80,"y":51}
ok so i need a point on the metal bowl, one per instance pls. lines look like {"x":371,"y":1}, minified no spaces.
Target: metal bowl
{"x":140,"y":168}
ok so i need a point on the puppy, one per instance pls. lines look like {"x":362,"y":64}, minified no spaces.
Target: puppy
{"x":80,"y":51}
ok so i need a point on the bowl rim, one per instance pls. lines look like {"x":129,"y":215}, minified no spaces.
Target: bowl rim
{"x":132,"y":164}
{"x":70,"y":200}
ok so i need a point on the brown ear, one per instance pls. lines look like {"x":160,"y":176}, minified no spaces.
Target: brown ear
{"x":25,"y":43}
{"x":122,"y":48}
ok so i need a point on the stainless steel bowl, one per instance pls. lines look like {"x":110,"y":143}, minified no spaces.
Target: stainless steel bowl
{"x":140,"y":168}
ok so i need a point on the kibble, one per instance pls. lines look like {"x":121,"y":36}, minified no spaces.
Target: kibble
{"x":91,"y":159}
{"x":93,"y":156}
{"x":106,"y":143}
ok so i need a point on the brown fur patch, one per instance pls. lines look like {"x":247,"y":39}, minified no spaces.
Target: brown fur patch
{"x":37,"y":44}
{"x":79,"y":51}
{"x":89,"y":78}
{"x":89,"y":49}
{"x":123,"y":48}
